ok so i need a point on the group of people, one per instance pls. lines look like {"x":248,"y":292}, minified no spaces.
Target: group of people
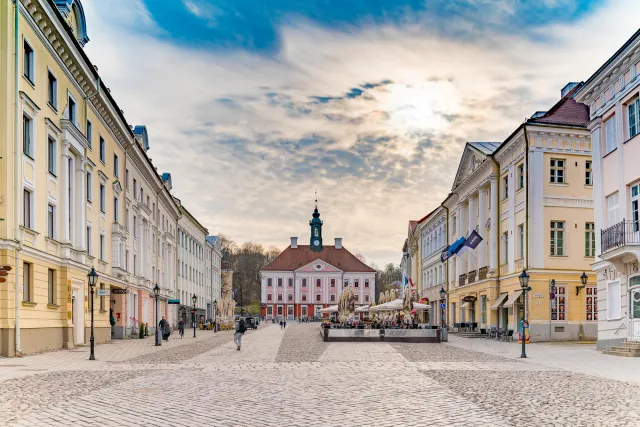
{"x":283,"y":324}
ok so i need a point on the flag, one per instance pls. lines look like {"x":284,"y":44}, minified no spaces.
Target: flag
{"x":473,"y":240}
{"x":406,"y":281}
{"x":456,"y":246}
{"x":412,"y":284}
{"x":234,"y":294}
{"x":445,"y":254}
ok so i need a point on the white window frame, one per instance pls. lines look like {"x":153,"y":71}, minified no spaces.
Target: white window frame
{"x":73,"y":119}
{"x":588,"y":172}
{"x":635,"y":208}
{"x":505,"y":185}
{"x":589,"y":240}
{"x":555,"y":308}
{"x":89,"y":132}
{"x":505,"y":241}
{"x":558,"y":171}
{"x":30,"y":152}
{"x":52,"y":158}
{"x":51,"y":221}
{"x":28,"y":215}
{"x":103,"y":198}
{"x":610,"y":142}
{"x":89,"y":246}
{"x":594,"y":303}
{"x":633,"y":115}
{"x":613,"y":207}
{"x":520,"y":176}
{"x":53,"y":104}
{"x":102,"y":148}
{"x":555,"y":237}
{"x":614,"y":298}
{"x":520,"y":241}
{"x":31,"y":74}
{"x":102,"y":247}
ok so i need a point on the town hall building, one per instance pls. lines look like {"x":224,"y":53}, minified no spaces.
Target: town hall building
{"x":304,"y":279}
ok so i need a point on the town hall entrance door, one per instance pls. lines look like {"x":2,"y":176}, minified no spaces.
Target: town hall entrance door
{"x":290,"y":312}
{"x":634,"y":321}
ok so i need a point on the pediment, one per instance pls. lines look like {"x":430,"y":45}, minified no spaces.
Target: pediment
{"x":318,"y":266}
{"x":117,"y":187}
{"x":470,"y":161}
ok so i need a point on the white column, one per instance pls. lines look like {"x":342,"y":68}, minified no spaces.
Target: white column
{"x":64,"y":206}
{"x":598,"y":196}
{"x":464,"y":225}
{"x":81,"y":209}
{"x":472,"y":225}
{"x":482,"y":217}
{"x":512,"y":217}
{"x":495,"y":225}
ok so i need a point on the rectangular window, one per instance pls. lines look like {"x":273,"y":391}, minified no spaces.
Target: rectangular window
{"x":521,"y":241}
{"x":52,"y":158}
{"x":26,"y":208}
{"x":505,"y":184}
{"x":116,"y":217}
{"x":115,"y":166}
{"x":559,"y":304}
{"x":357,"y":297}
{"x":634,"y":123}
{"x":135,"y":189}
{"x":102,"y":254}
{"x":346,"y":283}
{"x":279,"y":282}
{"x":51,"y":221}
{"x":557,"y":171}
{"x":89,"y":191}
{"x":290,"y":282}
{"x":588,"y":173}
{"x":89,"y":251}
{"x":356,"y":283}
{"x":592,"y":303}
{"x":290,"y":297}
{"x":557,"y":238}
{"x":589,"y":240}
{"x":318,"y":283}
{"x":635,"y":199}
{"x":333,"y":283}
{"x":26,"y":281}
{"x":279,"y":297}
{"x":521,"y":176}
{"x":366,"y":298}
{"x":126,"y":179}
{"x":269,"y":282}
{"x":318,"y":298}
{"x":135,"y":264}
{"x":73,"y":116}
{"x":366,"y":283}
{"x":505,"y":241}
{"x":103,"y":151}
{"x":103,"y":199}
{"x":612,"y":208}
{"x":52,"y":90}
{"x":28,"y":62}
{"x":269,"y":297}
{"x":27,"y":136}
{"x":333,"y":298}
{"x":610,"y":135}
{"x":453,"y":225}
{"x":89,"y":131}
{"x":483,"y":309}
{"x":52,"y":287}
{"x":304,"y":297}
{"x":304,"y":283}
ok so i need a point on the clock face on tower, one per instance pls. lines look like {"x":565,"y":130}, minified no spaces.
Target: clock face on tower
{"x":316,"y":242}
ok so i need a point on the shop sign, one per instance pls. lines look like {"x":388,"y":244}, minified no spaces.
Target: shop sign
{"x":120,"y":291}
{"x":103,"y":292}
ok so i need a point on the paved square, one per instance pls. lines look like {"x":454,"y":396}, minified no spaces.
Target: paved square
{"x":291,"y":378}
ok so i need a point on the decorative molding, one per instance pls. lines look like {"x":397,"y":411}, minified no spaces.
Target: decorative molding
{"x":568,"y":202}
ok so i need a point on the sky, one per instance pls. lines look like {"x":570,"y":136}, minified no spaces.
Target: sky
{"x":253,"y":105}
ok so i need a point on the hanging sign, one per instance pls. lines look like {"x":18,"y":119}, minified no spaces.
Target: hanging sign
{"x":103,"y":292}
{"x":120,"y":291}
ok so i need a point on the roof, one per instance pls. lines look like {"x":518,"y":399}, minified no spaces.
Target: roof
{"x":412,"y":225}
{"x":567,"y":111}
{"x":212,"y":239}
{"x":485,"y":147}
{"x":292,"y":259}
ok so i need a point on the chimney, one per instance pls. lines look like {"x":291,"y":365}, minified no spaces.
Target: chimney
{"x":568,"y":88}
{"x":338,"y":242}
{"x":294,"y":243}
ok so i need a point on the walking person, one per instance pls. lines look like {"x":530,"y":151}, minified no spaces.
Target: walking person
{"x":281,"y":323}
{"x":285,"y":324}
{"x":181,"y":327}
{"x":241,"y":328}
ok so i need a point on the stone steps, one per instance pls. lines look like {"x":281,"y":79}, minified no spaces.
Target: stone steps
{"x":627,"y":349}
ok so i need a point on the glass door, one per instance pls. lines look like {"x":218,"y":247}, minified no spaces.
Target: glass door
{"x":635,"y":308}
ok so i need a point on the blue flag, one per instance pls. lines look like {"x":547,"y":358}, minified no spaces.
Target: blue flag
{"x":473,"y":240}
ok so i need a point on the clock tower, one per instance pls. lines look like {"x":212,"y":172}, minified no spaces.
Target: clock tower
{"x":316,"y":230}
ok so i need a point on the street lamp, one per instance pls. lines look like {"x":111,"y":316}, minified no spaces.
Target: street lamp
{"x":583,"y":280}
{"x":443,"y":294}
{"x":524,"y":284}
{"x":215,"y":326}
{"x":156,"y":292}
{"x":93,"y":278}
{"x":194,"y":298}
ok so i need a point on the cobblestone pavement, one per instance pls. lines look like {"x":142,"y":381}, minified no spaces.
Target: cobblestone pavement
{"x":291,"y":378}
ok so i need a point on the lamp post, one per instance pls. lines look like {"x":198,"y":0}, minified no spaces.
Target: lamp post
{"x":156,"y":292}
{"x":93,"y":278}
{"x":524,"y":284}
{"x":443,"y":294}
{"x":194,"y":298}
{"x":215,"y":325}
{"x":552,"y":296}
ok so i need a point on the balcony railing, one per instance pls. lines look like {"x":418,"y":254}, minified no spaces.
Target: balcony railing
{"x":472,"y":276}
{"x":482,"y":273}
{"x":462,"y":280}
{"x":620,"y":234}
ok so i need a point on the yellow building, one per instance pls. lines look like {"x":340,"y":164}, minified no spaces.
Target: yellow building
{"x":530,"y":199}
{"x":61,"y":162}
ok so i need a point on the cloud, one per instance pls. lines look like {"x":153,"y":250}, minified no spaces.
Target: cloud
{"x":372,"y":114}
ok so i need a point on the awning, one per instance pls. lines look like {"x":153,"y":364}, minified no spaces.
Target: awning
{"x":513,"y":298}
{"x":496,"y":305}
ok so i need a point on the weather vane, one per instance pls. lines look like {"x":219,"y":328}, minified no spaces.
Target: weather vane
{"x":316,"y":197}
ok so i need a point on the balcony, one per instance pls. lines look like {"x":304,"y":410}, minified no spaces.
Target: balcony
{"x":482,"y":273}
{"x":472,"y":276}
{"x":462,"y":280}
{"x":624,"y":233}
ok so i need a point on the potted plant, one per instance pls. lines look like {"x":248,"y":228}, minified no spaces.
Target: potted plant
{"x":141,"y":330}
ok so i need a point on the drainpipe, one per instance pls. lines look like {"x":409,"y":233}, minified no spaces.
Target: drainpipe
{"x":526,"y":198}
{"x":16,"y":158}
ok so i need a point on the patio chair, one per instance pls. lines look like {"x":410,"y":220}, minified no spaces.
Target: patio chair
{"x":474,"y":326}
{"x":483,"y":332}
{"x":509,"y":335}
{"x":502,"y":334}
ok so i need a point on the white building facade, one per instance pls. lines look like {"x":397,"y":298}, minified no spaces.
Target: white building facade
{"x":214,"y":272}
{"x":433,"y":240}
{"x":612,"y":94}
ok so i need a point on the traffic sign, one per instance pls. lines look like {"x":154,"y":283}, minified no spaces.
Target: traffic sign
{"x":103,"y":292}
{"x":442,"y":305}
{"x":5,"y":267}
{"x":174,"y":301}
{"x":3,"y":273}
{"x":2,"y":280}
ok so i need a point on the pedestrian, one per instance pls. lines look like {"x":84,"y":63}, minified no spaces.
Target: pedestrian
{"x":280,"y":323}
{"x":241,"y":328}
{"x":181,"y":327}
{"x":285,"y":324}
{"x":162,"y":323}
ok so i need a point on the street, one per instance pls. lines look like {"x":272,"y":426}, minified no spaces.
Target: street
{"x":290,"y":377}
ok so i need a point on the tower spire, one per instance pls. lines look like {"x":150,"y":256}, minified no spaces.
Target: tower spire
{"x":316,"y":228}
